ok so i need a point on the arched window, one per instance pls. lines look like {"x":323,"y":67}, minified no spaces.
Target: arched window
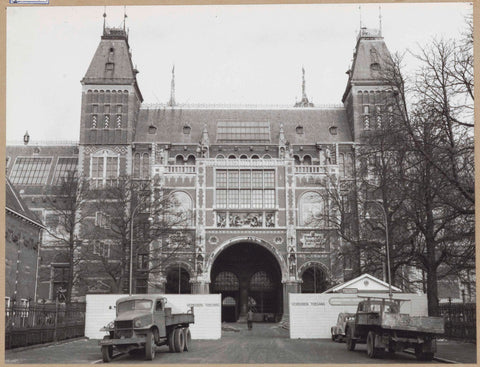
{"x":179,"y":160}
{"x":243,"y":156}
{"x":136,"y":165}
{"x":349,"y":165}
{"x":231,"y":156}
{"x":145,"y":165}
{"x":267,"y":156}
{"x":307,"y":160}
{"x":191,"y":160}
{"x":255,"y":156}
{"x":178,"y":281}
{"x":226,"y":281}
{"x":297,"y":160}
{"x":311,"y":210}
{"x":314,"y":280}
{"x":260,"y":281}
{"x":341,"y":164}
{"x":220,"y":156}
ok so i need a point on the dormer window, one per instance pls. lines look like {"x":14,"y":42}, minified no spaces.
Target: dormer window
{"x":333,"y":130}
{"x":375,"y":66}
{"x":152,"y":129}
{"x":299,"y":129}
{"x":187,"y":129}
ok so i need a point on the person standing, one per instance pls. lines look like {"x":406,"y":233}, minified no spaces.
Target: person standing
{"x":250,"y":319}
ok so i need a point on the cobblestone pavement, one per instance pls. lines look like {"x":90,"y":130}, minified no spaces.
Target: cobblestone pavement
{"x":266,"y":343}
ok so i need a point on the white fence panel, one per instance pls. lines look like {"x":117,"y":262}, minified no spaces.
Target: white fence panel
{"x":207,"y":308}
{"x":312,"y":315}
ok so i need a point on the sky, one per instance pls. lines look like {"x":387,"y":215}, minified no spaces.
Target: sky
{"x":236,"y":54}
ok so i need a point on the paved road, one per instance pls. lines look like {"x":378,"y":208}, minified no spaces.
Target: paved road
{"x":266,"y":343}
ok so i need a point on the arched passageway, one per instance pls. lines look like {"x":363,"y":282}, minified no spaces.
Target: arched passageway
{"x":178,"y":281}
{"x":248,"y":276}
{"x":314,"y":280}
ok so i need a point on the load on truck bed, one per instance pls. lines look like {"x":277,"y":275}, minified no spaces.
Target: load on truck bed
{"x":379,"y":323}
{"x":143,"y":322}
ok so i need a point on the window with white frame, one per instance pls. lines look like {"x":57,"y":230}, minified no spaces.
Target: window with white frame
{"x":244,"y":189}
{"x":104,"y":168}
{"x":101,"y":249}
{"x":102,"y":220}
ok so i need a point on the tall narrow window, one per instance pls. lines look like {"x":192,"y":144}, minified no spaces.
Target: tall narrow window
{"x":145,"y":165}
{"x":104,"y":168}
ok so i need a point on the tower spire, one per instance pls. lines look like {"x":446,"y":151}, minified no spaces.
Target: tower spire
{"x":104,"y":18}
{"x":304,"y":102}
{"x":360,"y":15}
{"x":304,"y":95}
{"x":172,"y":89}
{"x":380,"y":18}
{"x":124,"y":17}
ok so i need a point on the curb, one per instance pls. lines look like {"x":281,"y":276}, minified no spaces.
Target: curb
{"x":443,"y":360}
{"x":35,"y":346}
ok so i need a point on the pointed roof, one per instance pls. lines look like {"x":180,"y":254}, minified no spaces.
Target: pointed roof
{"x":371,"y":56}
{"x":15,"y":205}
{"x":362,"y":284}
{"x":112,"y":62}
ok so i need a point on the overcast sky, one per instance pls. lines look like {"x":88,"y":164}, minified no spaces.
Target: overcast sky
{"x":222,"y":54}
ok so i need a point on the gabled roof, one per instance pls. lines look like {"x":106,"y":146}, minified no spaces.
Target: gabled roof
{"x":370,"y":58}
{"x":363,"y":283}
{"x":169,"y":123}
{"x":114,"y":50}
{"x":15,"y":205}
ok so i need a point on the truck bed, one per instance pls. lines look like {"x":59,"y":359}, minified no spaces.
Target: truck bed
{"x":425,"y":324}
{"x":179,"y":318}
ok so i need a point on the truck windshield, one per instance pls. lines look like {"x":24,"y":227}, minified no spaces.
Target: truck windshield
{"x":137,"y":304}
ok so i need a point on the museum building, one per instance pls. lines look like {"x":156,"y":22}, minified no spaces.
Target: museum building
{"x":252,"y":176}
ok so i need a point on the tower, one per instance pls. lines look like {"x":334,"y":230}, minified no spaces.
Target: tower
{"x":111,"y":101}
{"x":365,"y":95}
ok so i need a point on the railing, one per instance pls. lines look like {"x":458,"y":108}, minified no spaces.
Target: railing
{"x":460,"y":320}
{"x":235,"y":106}
{"x":315,"y":169}
{"x":183,"y":169}
{"x":43,"y":323}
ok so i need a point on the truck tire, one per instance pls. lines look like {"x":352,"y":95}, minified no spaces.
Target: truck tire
{"x":372,"y":351}
{"x":188,"y":338}
{"x":350,"y":341}
{"x":150,"y":346}
{"x":179,"y":340}
{"x":171,"y":344}
{"x":422,"y":356}
{"x":107,"y":351}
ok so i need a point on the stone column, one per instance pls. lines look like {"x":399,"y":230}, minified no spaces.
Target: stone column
{"x":200,"y":287}
{"x":289,"y":286}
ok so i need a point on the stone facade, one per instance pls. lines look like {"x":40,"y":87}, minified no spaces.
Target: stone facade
{"x":250,"y":175}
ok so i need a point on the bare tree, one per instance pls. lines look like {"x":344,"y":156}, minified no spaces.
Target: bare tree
{"x":131,"y":204}
{"x":65,"y":204}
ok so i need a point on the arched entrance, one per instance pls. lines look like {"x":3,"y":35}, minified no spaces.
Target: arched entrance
{"x":248,"y":275}
{"x":314,"y":279}
{"x":178,"y":281}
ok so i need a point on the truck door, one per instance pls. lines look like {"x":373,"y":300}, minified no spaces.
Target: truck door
{"x":159,"y":317}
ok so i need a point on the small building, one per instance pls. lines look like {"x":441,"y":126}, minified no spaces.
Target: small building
{"x":23,"y":232}
{"x":365,"y":283}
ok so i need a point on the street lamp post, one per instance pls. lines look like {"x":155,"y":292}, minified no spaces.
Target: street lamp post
{"x":386,"y":244}
{"x":130,"y":276}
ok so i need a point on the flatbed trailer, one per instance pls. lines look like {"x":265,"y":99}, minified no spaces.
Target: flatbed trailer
{"x":379,"y":323}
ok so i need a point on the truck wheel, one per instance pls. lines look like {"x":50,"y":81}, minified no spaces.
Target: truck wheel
{"x":171,"y":345}
{"x":372,"y":351}
{"x":150,"y":346}
{"x":350,"y":341}
{"x":422,"y":356}
{"x":179,"y":340}
{"x":107,"y":351}
{"x":188,"y":338}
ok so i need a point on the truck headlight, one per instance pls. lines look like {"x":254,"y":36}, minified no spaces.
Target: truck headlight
{"x":138,"y":323}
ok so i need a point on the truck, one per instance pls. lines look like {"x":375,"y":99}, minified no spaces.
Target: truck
{"x":379,"y":323}
{"x":144,"y":322}
{"x":338,"y":331}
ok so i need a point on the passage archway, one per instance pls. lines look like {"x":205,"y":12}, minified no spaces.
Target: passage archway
{"x":314,"y":280}
{"x":178,"y":281}
{"x":248,"y":276}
